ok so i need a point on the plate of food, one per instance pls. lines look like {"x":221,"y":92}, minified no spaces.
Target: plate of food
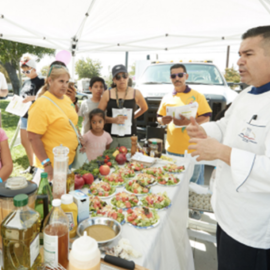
{"x":126,"y":172}
{"x":142,"y":217}
{"x":145,"y":179}
{"x":153,"y":171}
{"x":95,"y":203}
{"x":136,"y":166}
{"x":114,"y":179}
{"x":110,"y":212}
{"x":157,"y":201}
{"x":173,"y":168}
{"x":102,"y":189}
{"x":133,"y":187}
{"x":168,"y":179}
{"x":124,"y":200}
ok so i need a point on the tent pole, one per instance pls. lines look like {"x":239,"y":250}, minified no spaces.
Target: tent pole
{"x":228,"y":56}
{"x":73,"y":66}
{"x":127,"y":60}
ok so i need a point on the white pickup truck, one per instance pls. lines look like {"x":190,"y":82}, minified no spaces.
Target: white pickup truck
{"x":205,"y":78}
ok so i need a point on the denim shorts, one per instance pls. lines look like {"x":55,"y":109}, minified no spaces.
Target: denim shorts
{"x":24,"y":123}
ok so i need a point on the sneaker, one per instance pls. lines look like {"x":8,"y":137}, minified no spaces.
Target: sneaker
{"x":30,"y":169}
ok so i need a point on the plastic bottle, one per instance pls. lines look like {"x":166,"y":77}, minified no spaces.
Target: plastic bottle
{"x":85,"y":254}
{"x":56,"y":235}
{"x":20,"y":233}
{"x":153,"y":149}
{"x":60,"y":170}
{"x":71,"y":210}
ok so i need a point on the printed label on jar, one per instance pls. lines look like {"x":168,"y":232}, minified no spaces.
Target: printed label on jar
{"x":34,"y":250}
{"x":50,"y":248}
{"x":71,"y":220}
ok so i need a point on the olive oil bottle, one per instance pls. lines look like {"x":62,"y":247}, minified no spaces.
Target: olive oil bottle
{"x":20,"y":236}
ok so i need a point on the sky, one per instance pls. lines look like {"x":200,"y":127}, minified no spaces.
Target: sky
{"x":109,"y":59}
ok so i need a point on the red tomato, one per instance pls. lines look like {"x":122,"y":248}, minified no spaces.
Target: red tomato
{"x":120,"y":211}
{"x":130,"y":183}
{"x":175,"y":181}
{"x":100,"y":194}
{"x":150,"y":215}
{"x":145,"y":190}
{"x":114,"y":215}
{"x":135,"y":191}
{"x":130,"y":218}
{"x":128,"y":205}
{"x":130,"y":211}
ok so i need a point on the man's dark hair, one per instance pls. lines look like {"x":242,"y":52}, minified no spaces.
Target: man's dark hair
{"x":60,"y":63}
{"x":179,"y":66}
{"x":96,"y":79}
{"x":263,"y":31}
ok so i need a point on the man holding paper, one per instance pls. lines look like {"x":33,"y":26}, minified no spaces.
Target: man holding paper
{"x":177,"y":138}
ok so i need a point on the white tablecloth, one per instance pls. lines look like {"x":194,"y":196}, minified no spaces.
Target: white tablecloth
{"x":166,"y":247}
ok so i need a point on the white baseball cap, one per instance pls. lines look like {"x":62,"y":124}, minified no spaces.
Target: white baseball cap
{"x":30,"y":63}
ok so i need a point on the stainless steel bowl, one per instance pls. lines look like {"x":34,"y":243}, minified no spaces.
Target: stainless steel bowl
{"x":115,"y":225}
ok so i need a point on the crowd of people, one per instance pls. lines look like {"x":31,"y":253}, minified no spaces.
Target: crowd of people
{"x":239,"y":141}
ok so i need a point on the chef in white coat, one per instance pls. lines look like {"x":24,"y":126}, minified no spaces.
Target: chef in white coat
{"x":241,"y":143}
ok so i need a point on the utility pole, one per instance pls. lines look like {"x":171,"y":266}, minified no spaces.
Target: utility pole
{"x":228,"y":56}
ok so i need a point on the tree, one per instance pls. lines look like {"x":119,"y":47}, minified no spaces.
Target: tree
{"x":10,"y":59}
{"x":3,"y":70}
{"x":232,"y":75}
{"x":133,"y":70}
{"x":88,"y":68}
{"x":44,"y":71}
{"x":108,"y":79}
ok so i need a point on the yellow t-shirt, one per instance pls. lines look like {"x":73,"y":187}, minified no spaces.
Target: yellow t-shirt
{"x":47,"y":120}
{"x":177,"y":138}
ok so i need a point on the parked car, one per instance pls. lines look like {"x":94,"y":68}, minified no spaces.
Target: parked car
{"x":203,"y":77}
{"x":84,"y":95}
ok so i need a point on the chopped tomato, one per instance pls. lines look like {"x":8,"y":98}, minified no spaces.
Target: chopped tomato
{"x":145,"y":190}
{"x":150,"y":215}
{"x":120,"y":211}
{"x":128,"y":205}
{"x":135,"y":191}
{"x":130,"y":211}
{"x":114,"y":215}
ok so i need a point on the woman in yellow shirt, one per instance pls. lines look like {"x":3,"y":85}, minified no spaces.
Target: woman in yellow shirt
{"x":48,"y":126}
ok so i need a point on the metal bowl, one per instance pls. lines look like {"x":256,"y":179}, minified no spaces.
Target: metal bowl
{"x":115,"y":225}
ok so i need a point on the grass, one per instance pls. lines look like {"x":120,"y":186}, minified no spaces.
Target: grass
{"x":19,"y":157}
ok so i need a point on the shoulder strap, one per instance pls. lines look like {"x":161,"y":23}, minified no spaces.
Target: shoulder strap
{"x":65,"y":115}
{"x":134,"y":93}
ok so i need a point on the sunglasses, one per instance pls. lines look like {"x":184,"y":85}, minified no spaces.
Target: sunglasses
{"x":118,"y":76}
{"x":180,"y":75}
{"x":26,"y":71}
{"x":55,"y":66}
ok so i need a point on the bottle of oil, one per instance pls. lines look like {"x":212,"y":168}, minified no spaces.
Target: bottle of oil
{"x":20,"y":236}
{"x":56,"y":236}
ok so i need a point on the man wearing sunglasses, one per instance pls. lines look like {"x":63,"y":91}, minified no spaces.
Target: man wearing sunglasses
{"x":28,"y":93}
{"x":177,"y":138}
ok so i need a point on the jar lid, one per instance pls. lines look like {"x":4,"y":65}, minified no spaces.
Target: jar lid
{"x":15,"y":186}
{"x":60,"y":151}
{"x":20,"y":200}
{"x":84,"y":248}
{"x":56,"y":202}
{"x":66,"y":199}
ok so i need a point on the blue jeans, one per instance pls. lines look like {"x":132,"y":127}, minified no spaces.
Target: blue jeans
{"x":198,"y":173}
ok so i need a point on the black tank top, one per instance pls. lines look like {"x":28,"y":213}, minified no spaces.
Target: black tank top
{"x":129,"y":104}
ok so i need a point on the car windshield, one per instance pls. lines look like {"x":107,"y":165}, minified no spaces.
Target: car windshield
{"x":198,"y":74}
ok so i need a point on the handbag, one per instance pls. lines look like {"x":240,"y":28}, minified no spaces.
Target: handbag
{"x":80,"y":158}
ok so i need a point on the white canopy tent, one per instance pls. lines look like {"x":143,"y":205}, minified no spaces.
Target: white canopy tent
{"x":130,"y":25}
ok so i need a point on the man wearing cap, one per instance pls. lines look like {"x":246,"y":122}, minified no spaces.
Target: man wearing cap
{"x":3,"y":86}
{"x":28,"y":93}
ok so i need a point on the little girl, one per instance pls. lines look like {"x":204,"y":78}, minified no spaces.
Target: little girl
{"x":96,"y":140}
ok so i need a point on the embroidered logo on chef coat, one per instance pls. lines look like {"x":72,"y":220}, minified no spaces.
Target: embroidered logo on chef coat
{"x":248,"y":135}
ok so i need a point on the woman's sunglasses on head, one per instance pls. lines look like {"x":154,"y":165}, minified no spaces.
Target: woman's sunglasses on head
{"x":55,"y":66}
{"x":27,"y":71}
{"x":119,"y":76}
{"x":180,"y":75}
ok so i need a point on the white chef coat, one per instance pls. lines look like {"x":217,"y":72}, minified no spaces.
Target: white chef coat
{"x":241,"y":195}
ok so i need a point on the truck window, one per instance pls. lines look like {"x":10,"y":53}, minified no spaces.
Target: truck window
{"x":198,"y":74}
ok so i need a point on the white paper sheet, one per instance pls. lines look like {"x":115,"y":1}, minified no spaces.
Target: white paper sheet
{"x":17,"y":107}
{"x":125,"y":129}
{"x":186,"y":110}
